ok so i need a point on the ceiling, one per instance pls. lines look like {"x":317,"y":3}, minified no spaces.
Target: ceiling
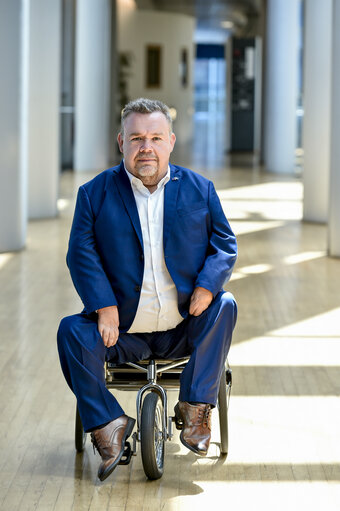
{"x":239,"y":16}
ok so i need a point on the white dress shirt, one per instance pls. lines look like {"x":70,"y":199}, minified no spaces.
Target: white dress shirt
{"x":158,"y":304}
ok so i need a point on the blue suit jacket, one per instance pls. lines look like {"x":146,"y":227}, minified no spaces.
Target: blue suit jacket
{"x":105,"y":254}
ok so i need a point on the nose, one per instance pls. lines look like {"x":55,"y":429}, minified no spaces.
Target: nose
{"x":145,"y":146}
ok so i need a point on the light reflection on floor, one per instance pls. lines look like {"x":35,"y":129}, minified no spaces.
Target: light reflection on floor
{"x":4,"y":258}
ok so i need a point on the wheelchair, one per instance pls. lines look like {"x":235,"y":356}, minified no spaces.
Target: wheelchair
{"x":151,"y":378}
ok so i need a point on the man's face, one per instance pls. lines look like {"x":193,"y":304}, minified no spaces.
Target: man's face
{"x":147,"y":144}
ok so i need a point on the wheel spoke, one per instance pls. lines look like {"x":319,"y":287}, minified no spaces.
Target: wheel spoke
{"x":159,"y":436}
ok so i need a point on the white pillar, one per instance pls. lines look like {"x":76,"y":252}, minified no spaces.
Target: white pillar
{"x":44,"y":55}
{"x":92,"y":84}
{"x":114,"y":154}
{"x":317,"y":109}
{"x":281,"y":85}
{"x":334,"y":202}
{"x":13,"y":210}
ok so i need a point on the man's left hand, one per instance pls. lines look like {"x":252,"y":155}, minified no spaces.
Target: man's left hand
{"x":200,"y":300}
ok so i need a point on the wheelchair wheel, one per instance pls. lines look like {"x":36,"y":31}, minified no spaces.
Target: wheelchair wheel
{"x":79,"y":433}
{"x":223,"y":413}
{"x":152,"y":436}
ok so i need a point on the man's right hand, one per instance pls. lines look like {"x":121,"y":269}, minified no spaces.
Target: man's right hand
{"x":108,"y":325}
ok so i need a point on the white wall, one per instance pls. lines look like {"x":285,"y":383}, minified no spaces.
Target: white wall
{"x":137,"y":29}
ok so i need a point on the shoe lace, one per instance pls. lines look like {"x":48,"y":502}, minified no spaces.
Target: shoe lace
{"x":99,"y":442}
{"x":94,"y":444}
{"x":204,"y":416}
{"x":98,"y":445}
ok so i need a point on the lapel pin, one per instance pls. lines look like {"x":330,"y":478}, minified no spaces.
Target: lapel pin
{"x":175,"y":179}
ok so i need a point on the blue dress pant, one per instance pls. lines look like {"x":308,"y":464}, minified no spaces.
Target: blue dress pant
{"x":206,"y":338}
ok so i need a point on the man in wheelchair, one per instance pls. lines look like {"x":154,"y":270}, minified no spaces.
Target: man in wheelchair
{"x":149,"y":252}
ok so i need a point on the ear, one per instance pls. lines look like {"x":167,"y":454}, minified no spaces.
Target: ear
{"x":120,"y":142}
{"x":172,"y":141}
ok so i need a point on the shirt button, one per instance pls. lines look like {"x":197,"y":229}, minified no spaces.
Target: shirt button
{"x":137,"y":288}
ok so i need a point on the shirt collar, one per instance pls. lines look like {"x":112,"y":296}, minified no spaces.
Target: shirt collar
{"x":137,"y":183}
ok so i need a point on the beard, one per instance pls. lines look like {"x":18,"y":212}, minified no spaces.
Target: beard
{"x":147,"y":169}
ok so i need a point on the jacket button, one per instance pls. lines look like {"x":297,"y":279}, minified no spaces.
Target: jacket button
{"x":137,"y":288}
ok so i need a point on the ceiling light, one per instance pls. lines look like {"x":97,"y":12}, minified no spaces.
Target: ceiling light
{"x":227,"y":24}
{"x":129,"y":4}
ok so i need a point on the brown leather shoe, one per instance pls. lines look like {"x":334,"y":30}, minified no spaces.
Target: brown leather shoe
{"x":196,"y":423}
{"x":110,"y":443}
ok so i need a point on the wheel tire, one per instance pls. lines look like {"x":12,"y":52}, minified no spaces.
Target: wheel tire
{"x":223,"y":414}
{"x":152,"y":437}
{"x":79,"y":433}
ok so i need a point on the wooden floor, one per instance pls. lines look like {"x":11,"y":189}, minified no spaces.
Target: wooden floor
{"x":285,"y":406}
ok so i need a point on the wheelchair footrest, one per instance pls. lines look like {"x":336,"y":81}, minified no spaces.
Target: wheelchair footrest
{"x":127,"y":454}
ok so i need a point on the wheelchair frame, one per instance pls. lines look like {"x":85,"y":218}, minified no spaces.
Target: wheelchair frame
{"x":151,"y":378}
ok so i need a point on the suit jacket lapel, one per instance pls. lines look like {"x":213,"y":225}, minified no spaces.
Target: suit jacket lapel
{"x":124,"y":187}
{"x":170,"y":199}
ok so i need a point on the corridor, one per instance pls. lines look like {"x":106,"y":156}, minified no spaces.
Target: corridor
{"x":284,"y":414}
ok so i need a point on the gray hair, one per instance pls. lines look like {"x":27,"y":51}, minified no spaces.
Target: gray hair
{"x":145,"y":106}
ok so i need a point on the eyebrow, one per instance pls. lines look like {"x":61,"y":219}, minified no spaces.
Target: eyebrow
{"x":141,"y":135}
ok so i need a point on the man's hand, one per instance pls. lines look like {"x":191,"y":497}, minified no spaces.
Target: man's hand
{"x":200,"y":300}
{"x":108,"y":325}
